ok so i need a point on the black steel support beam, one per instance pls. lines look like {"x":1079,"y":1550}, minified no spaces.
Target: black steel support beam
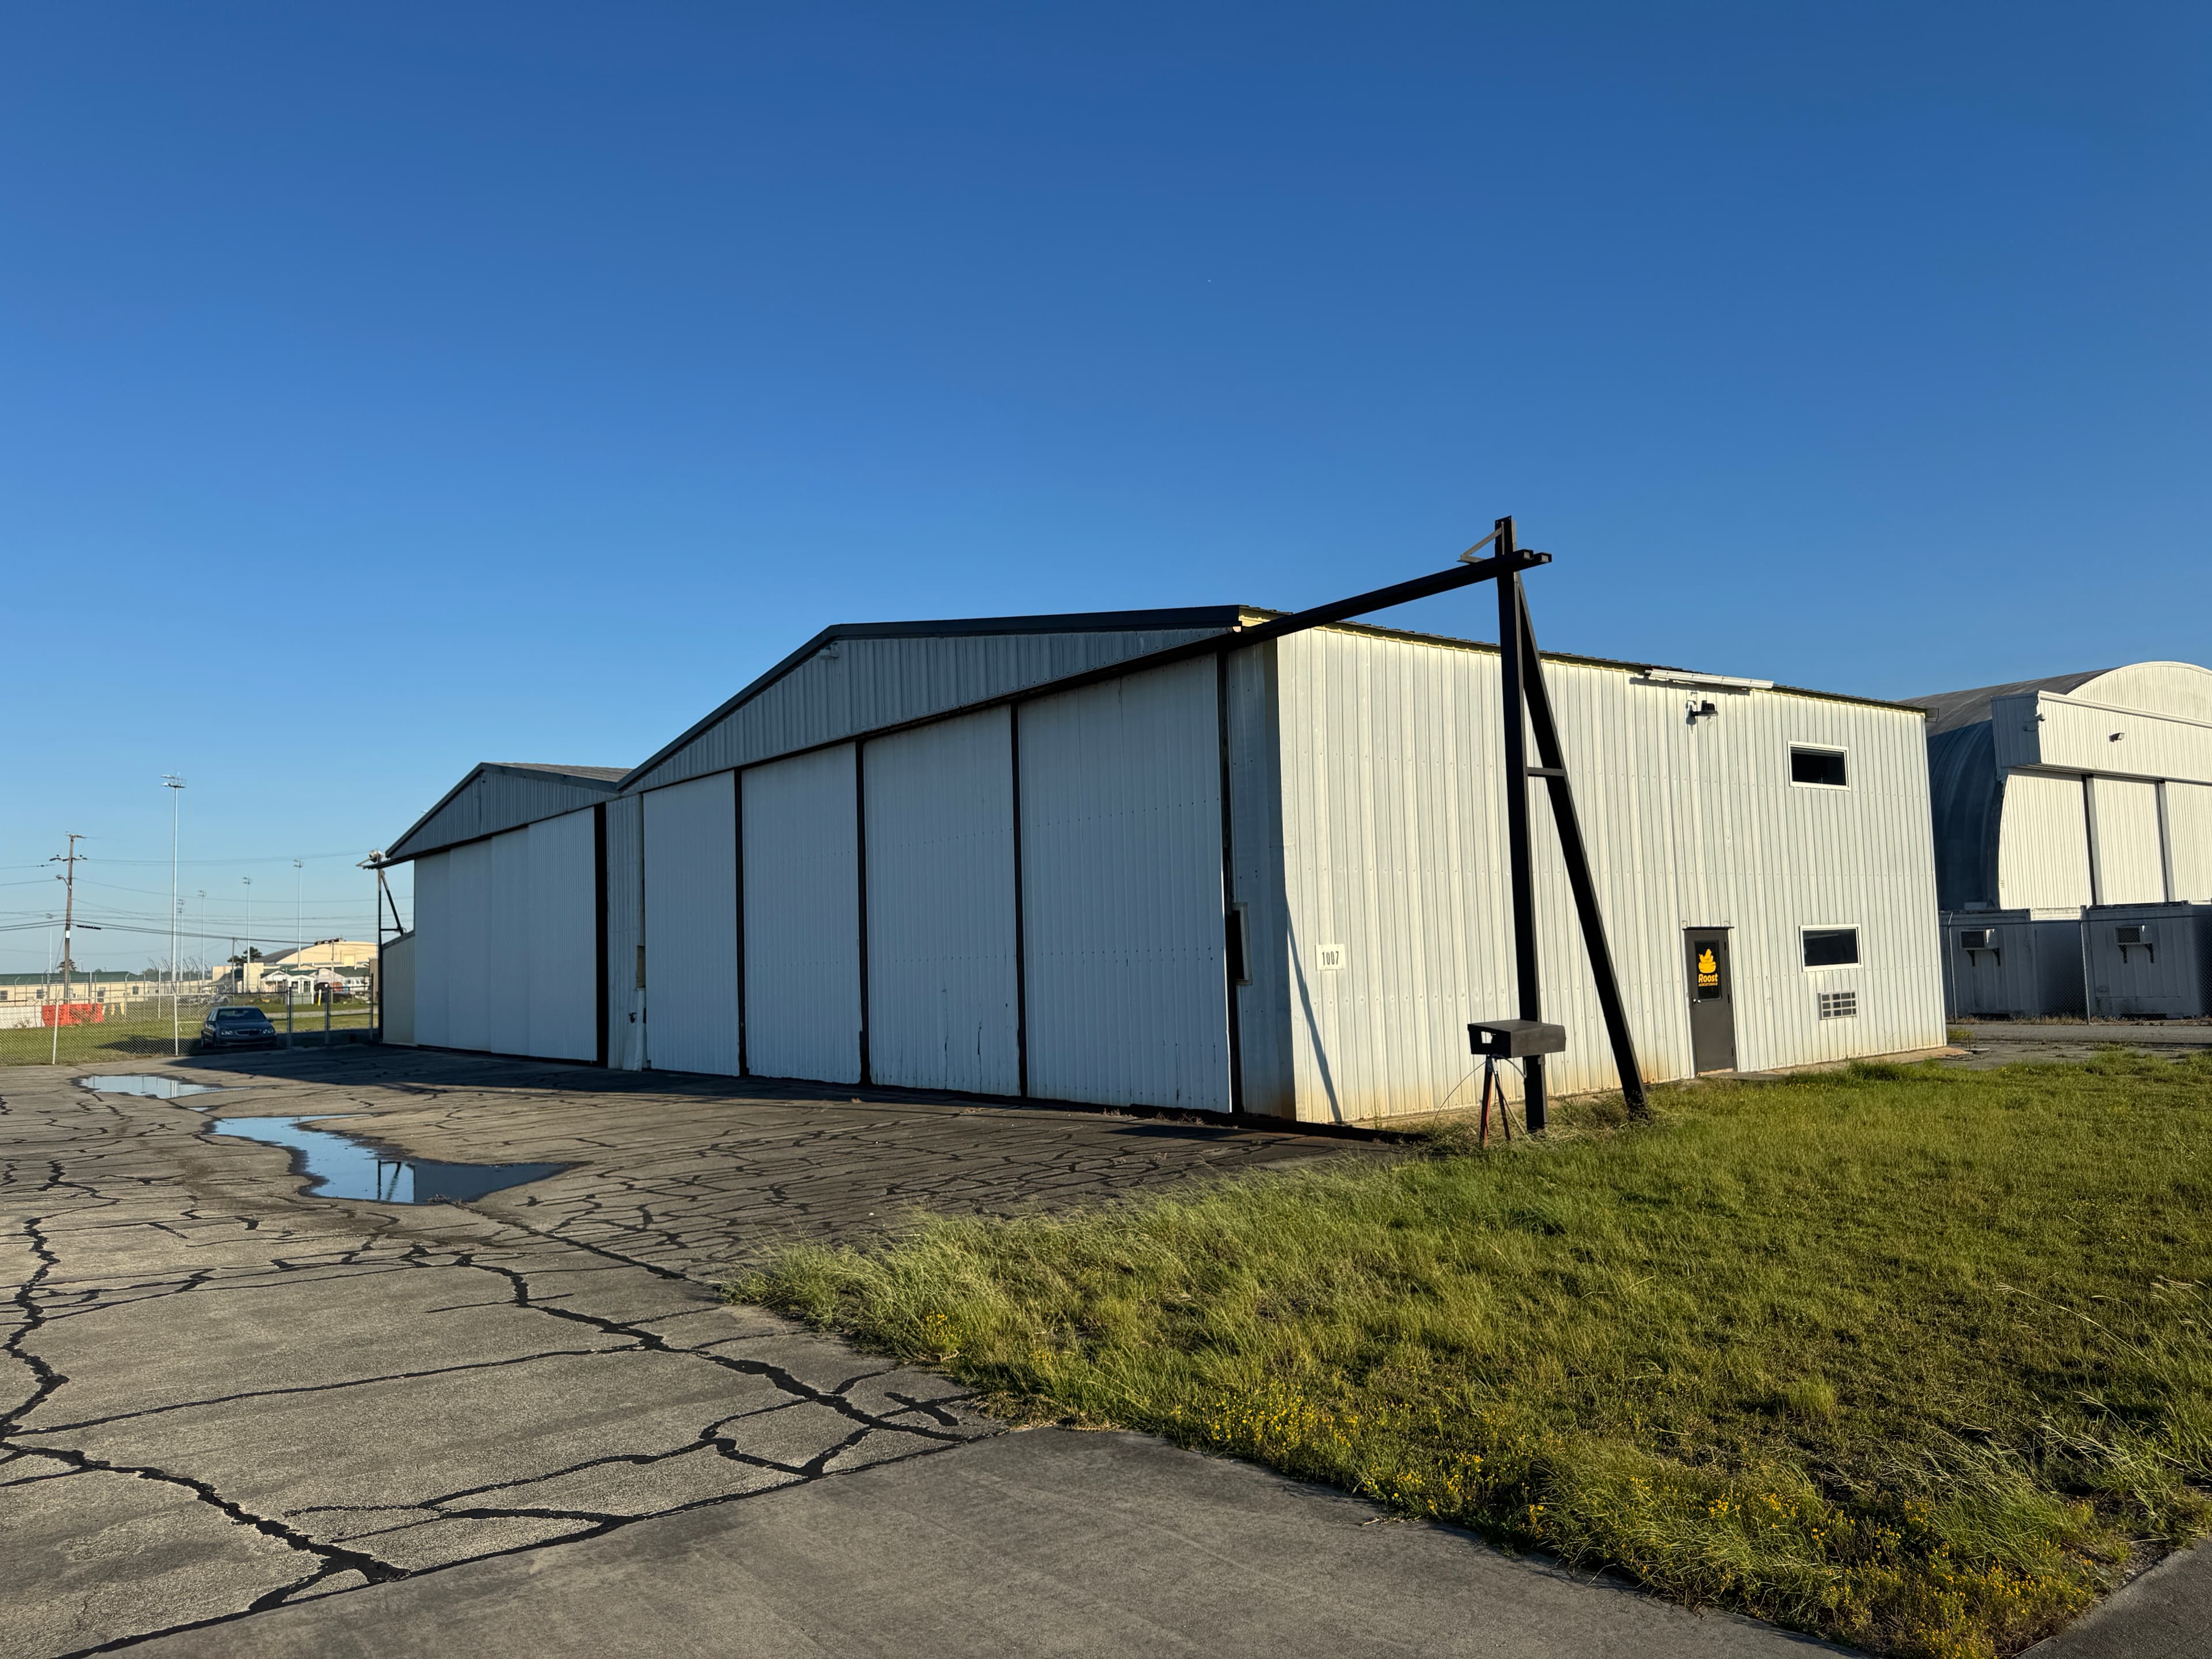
{"x":1553,"y":770}
{"x":1520,"y":866}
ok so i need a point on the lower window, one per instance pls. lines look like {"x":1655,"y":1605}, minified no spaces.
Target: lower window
{"x":1839,"y":1004}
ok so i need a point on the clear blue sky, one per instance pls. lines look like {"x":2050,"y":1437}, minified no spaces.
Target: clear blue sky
{"x":385,"y":388}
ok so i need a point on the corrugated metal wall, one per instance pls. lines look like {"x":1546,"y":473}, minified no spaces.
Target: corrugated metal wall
{"x":2165,"y":977}
{"x":1122,"y":892}
{"x":1393,"y":838}
{"x":499,"y":798}
{"x":2043,"y":845}
{"x":1965,"y":792}
{"x":691,"y":926}
{"x":508,"y":960}
{"x":562,"y":924}
{"x":506,"y":950}
{"x":801,"y":919}
{"x":469,"y":918}
{"x":2033,"y":967}
{"x":625,"y":934}
{"x":857,"y":685}
{"x":2189,"y":839}
{"x":941,"y":959}
{"x":2130,"y":863}
{"x":396,"y":992}
{"x":2069,"y":733}
{"x":433,"y":933}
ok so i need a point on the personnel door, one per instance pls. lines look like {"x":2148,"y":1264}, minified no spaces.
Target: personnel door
{"x":1712,"y":1000}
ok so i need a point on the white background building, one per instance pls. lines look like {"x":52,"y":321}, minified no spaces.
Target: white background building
{"x":2067,"y":810}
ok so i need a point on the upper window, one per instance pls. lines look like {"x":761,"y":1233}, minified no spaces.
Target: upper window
{"x":1821,"y":766}
{"x":1831,"y":947}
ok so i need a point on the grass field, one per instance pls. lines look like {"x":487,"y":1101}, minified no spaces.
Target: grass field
{"x":146,"y":1036}
{"x":1914,"y":1358}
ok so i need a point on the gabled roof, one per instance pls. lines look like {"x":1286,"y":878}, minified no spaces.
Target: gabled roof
{"x":499,"y":795}
{"x":922,"y":689}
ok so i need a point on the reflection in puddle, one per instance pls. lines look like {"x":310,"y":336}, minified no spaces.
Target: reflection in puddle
{"x":148,"y":1083}
{"x":338,"y":1166}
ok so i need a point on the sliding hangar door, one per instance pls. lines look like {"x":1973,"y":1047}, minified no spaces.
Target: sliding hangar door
{"x":506,"y":941}
{"x":1026,"y":900}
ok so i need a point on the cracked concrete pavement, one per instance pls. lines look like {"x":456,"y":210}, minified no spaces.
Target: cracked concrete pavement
{"x":237,"y":1417}
{"x":223,"y":1395}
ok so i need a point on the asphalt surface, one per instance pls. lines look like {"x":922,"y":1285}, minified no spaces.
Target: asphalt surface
{"x":1992,"y":1043}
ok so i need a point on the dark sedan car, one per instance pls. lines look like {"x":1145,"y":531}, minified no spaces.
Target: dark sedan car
{"x":236,"y":1028}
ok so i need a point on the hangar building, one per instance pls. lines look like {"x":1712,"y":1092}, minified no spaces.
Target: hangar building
{"x":1120,"y":859}
{"x":2068,"y":810}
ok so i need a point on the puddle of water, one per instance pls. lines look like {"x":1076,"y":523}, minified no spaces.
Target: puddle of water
{"x":148,"y":1083}
{"x":338,"y":1166}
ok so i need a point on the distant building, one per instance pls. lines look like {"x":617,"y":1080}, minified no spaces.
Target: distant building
{"x":2071,"y":815}
{"x":323,"y":954}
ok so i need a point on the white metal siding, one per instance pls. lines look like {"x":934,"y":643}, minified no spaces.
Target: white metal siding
{"x":941,"y":964}
{"x":1394,"y":830}
{"x":2189,"y":839}
{"x":802,"y":919}
{"x":563,"y":931}
{"x":691,"y":926}
{"x":396,"y":992}
{"x":2071,"y":734}
{"x":468,"y":913}
{"x":433,"y":951}
{"x":1121,"y":892}
{"x":507,"y":958}
{"x":2042,"y":843}
{"x":2131,"y":865}
{"x":507,"y":946}
{"x":625,"y":934}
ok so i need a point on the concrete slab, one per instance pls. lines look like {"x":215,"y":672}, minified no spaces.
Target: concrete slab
{"x":2156,"y":1034}
{"x":219,"y":1393}
{"x":1043,"y":1543}
{"x":2167,"y":1613}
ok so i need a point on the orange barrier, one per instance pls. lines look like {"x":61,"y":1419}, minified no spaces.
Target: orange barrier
{"x":73,"y":1013}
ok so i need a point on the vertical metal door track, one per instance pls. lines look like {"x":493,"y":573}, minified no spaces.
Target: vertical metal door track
{"x":860,"y":864}
{"x":1021,"y":949}
{"x":1235,"y":1013}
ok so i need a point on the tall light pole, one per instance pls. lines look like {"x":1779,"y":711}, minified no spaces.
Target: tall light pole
{"x":245,"y":954}
{"x":202,"y":930}
{"x":175,"y":786}
{"x":297,"y":877}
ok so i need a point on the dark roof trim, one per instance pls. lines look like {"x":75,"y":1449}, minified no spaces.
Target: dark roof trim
{"x":606,"y":779}
{"x":1223,"y":616}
